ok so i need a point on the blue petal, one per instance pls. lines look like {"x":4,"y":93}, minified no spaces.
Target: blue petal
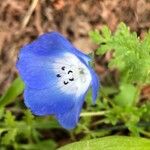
{"x":51,"y":43}
{"x":95,"y":84}
{"x":47,"y":45}
{"x":51,"y":101}
{"x":48,"y":101}
{"x":37,"y":72}
{"x":70,"y":118}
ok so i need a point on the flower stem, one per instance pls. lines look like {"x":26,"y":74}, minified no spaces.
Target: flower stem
{"x":89,"y":114}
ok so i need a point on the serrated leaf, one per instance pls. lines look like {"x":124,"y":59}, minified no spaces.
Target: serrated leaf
{"x":43,"y":145}
{"x":103,"y":49}
{"x":2,"y":130}
{"x":28,"y":118}
{"x":146,"y":42}
{"x":1,"y":113}
{"x":9,"y":136}
{"x":106,"y":33}
{"x":130,"y":54}
{"x":95,"y":36}
{"x":13,"y":91}
{"x":110,"y":143}
{"x":9,"y":119}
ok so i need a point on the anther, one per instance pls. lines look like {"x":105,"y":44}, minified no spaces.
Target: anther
{"x":63,"y":68}
{"x":72,"y":79}
{"x":66,"y":82}
{"x":58,"y":75}
{"x":70,"y":71}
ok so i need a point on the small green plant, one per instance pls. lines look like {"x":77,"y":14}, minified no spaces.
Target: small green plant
{"x":131,"y":55}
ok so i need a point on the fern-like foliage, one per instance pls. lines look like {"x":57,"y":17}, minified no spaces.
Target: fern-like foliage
{"x":131,"y":54}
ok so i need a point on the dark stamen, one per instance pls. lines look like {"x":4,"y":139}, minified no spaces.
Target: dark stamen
{"x":70,"y":71}
{"x":72,"y":79}
{"x":58,"y":75}
{"x":63,"y":68}
{"x":66,"y":82}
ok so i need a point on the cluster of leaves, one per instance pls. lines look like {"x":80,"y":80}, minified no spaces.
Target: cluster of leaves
{"x":131,"y":55}
{"x":24,"y":134}
{"x":119,"y":108}
{"x":19,"y":129}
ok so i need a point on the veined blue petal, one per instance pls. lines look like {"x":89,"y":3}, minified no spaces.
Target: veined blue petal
{"x":37,"y":72}
{"x":48,"y":101}
{"x":95,"y":83}
{"x":70,"y":118}
{"x":49,"y":44}
{"x":66,"y":108}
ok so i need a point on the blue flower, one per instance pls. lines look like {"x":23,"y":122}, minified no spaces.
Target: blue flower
{"x":57,"y":77}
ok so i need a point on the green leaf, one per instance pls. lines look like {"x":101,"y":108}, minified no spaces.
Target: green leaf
{"x":110,"y":143}
{"x":127,"y":95}
{"x":95,"y":36}
{"x":2,"y":130}
{"x":1,"y":113}
{"x":46,"y":123}
{"x":103,"y":49}
{"x":13,"y":91}
{"x":43,"y":145}
{"x":107,"y":90}
{"x":129,"y":52}
{"x":106,"y":33}
{"x":9,"y":136}
{"x":9,"y":119}
{"x":28,"y":118}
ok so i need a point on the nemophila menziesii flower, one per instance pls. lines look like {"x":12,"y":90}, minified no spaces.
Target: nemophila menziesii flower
{"x":57,"y":77}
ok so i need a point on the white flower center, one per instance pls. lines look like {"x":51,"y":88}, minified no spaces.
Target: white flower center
{"x":73,"y":76}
